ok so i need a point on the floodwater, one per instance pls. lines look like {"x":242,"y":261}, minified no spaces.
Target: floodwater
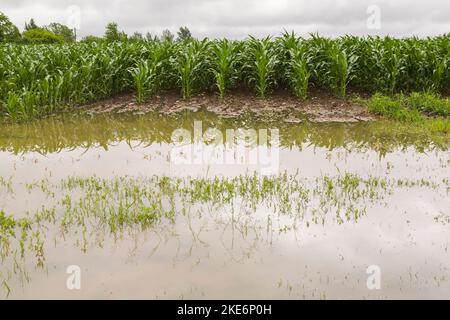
{"x":320,"y":211}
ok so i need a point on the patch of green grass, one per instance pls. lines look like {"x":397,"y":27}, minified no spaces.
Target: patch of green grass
{"x":413,"y":108}
{"x":429,"y":103}
{"x":393,"y":108}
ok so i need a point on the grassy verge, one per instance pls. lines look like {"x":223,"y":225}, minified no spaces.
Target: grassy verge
{"x":414,"y":107}
{"x":424,"y":108}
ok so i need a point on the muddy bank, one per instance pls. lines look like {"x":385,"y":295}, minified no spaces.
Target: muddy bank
{"x":319,"y":107}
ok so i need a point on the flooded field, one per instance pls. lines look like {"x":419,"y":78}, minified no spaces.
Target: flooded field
{"x":338,"y":210}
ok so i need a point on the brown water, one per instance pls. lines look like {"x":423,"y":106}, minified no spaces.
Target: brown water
{"x":391,"y":212}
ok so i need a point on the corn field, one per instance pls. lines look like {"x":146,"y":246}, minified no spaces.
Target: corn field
{"x":40,"y":79}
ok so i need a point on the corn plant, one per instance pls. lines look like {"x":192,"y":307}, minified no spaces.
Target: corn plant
{"x":295,"y":66}
{"x":391,"y":61}
{"x":260,"y":65}
{"x":299,"y":73}
{"x":339,"y":68}
{"x":141,"y":75}
{"x":23,"y":105}
{"x":438,"y":74}
{"x":225,"y":57}
{"x":332,"y":65}
{"x":148,"y":71}
{"x":191,"y":63}
{"x":37,"y":80}
{"x":12,"y":106}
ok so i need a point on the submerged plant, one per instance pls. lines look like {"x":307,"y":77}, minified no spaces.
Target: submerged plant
{"x":126,"y":205}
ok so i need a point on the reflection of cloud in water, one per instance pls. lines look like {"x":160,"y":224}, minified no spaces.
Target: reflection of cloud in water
{"x":225,"y":250}
{"x":251,"y":249}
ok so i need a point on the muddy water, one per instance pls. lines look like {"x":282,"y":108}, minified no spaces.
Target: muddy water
{"x":396,"y":219}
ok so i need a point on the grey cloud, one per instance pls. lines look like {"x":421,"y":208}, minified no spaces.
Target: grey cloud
{"x":238,"y":18}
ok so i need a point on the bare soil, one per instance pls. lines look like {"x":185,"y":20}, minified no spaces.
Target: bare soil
{"x":320,"y":106}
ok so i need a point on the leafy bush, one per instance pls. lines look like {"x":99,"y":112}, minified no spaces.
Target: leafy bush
{"x":41,"y":36}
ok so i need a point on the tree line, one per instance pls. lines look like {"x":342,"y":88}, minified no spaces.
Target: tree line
{"x":60,"y":33}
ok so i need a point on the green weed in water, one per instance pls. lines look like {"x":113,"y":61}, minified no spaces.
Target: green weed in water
{"x":89,"y":207}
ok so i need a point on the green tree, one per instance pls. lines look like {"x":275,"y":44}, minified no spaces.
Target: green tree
{"x":91,"y":39}
{"x":137,"y":36}
{"x":150,"y":37}
{"x":167,"y":35}
{"x":112,"y":33}
{"x":8,"y":31}
{"x":41,"y":35}
{"x":61,"y":30}
{"x":31,"y":25}
{"x":184,"y":34}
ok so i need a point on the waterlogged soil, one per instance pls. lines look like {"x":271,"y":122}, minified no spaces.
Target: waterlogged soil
{"x":320,"y":106}
{"x":349,"y":210}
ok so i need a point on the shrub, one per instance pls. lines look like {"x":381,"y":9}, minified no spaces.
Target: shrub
{"x":42,"y":36}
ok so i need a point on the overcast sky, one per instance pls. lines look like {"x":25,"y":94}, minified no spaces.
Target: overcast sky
{"x":238,"y":18}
